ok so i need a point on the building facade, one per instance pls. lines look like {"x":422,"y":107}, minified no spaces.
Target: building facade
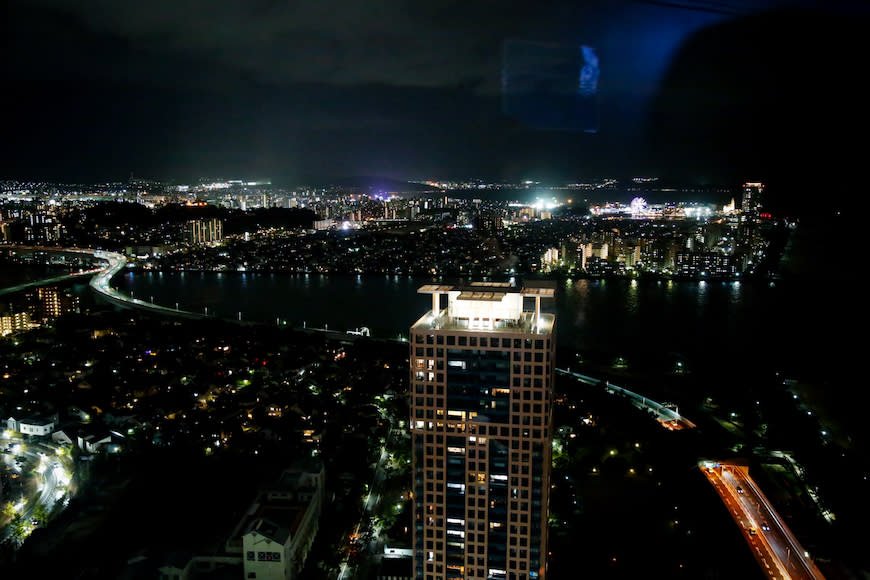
{"x":481,"y":385}
{"x":36,"y":426}
{"x":751,"y":202}
{"x":14,"y":322}
{"x":706,"y":264}
{"x":205,"y":231}
{"x":277,"y":531}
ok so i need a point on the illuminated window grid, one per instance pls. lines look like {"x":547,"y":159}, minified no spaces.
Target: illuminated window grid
{"x":530,"y":413}
{"x":428,"y":416}
{"x":477,"y":500}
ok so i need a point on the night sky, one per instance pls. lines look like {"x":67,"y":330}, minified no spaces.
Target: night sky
{"x":301,"y":91}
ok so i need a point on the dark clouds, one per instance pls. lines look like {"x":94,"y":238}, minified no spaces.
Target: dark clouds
{"x":324,"y":89}
{"x":390,"y":42}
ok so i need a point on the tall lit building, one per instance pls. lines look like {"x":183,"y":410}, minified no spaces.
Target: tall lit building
{"x":750,"y":210}
{"x":205,"y":231}
{"x":481,"y":425}
{"x":751,"y":203}
{"x":49,"y":302}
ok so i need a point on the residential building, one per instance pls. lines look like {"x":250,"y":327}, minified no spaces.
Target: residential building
{"x":705,"y":264}
{"x":14,"y":322}
{"x":203,"y":231}
{"x":276,"y":533}
{"x":36,"y":426}
{"x":482,"y":374}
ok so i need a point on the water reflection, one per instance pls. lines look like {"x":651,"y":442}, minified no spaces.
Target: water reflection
{"x":702,"y":293}
{"x":736,"y":292}
{"x":632,"y":296}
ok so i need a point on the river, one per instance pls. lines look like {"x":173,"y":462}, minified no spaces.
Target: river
{"x":795,"y":325}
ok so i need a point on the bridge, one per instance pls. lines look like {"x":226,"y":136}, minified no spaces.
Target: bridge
{"x":101,"y":283}
{"x":668,"y":417}
{"x":52,"y":279}
{"x":777,"y":551}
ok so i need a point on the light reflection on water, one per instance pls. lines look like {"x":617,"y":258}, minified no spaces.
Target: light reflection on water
{"x":702,"y":292}
{"x":736,"y":294}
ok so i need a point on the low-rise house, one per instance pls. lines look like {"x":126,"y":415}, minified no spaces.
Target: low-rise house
{"x":36,"y":426}
{"x":92,"y":438}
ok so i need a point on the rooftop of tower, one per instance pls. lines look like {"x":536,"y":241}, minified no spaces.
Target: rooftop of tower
{"x":487,"y":307}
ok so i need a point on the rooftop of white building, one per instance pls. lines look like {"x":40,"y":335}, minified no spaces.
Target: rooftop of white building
{"x":498,"y":307}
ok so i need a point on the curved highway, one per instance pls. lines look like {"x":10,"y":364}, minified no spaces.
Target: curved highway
{"x":44,"y":281}
{"x":101,"y":283}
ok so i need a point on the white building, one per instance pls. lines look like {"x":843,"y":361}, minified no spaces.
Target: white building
{"x":275,"y":535}
{"x":92,"y":442}
{"x":550,"y":257}
{"x":267,"y":551}
{"x":31,"y":426}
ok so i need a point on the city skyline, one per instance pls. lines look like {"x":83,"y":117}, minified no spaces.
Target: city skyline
{"x":606,"y":192}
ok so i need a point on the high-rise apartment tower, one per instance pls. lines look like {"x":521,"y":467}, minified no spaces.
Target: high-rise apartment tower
{"x":752,"y":201}
{"x":482,"y":374}
{"x":205,"y":231}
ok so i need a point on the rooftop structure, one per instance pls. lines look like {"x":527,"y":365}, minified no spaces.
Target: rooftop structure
{"x":486,"y":306}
